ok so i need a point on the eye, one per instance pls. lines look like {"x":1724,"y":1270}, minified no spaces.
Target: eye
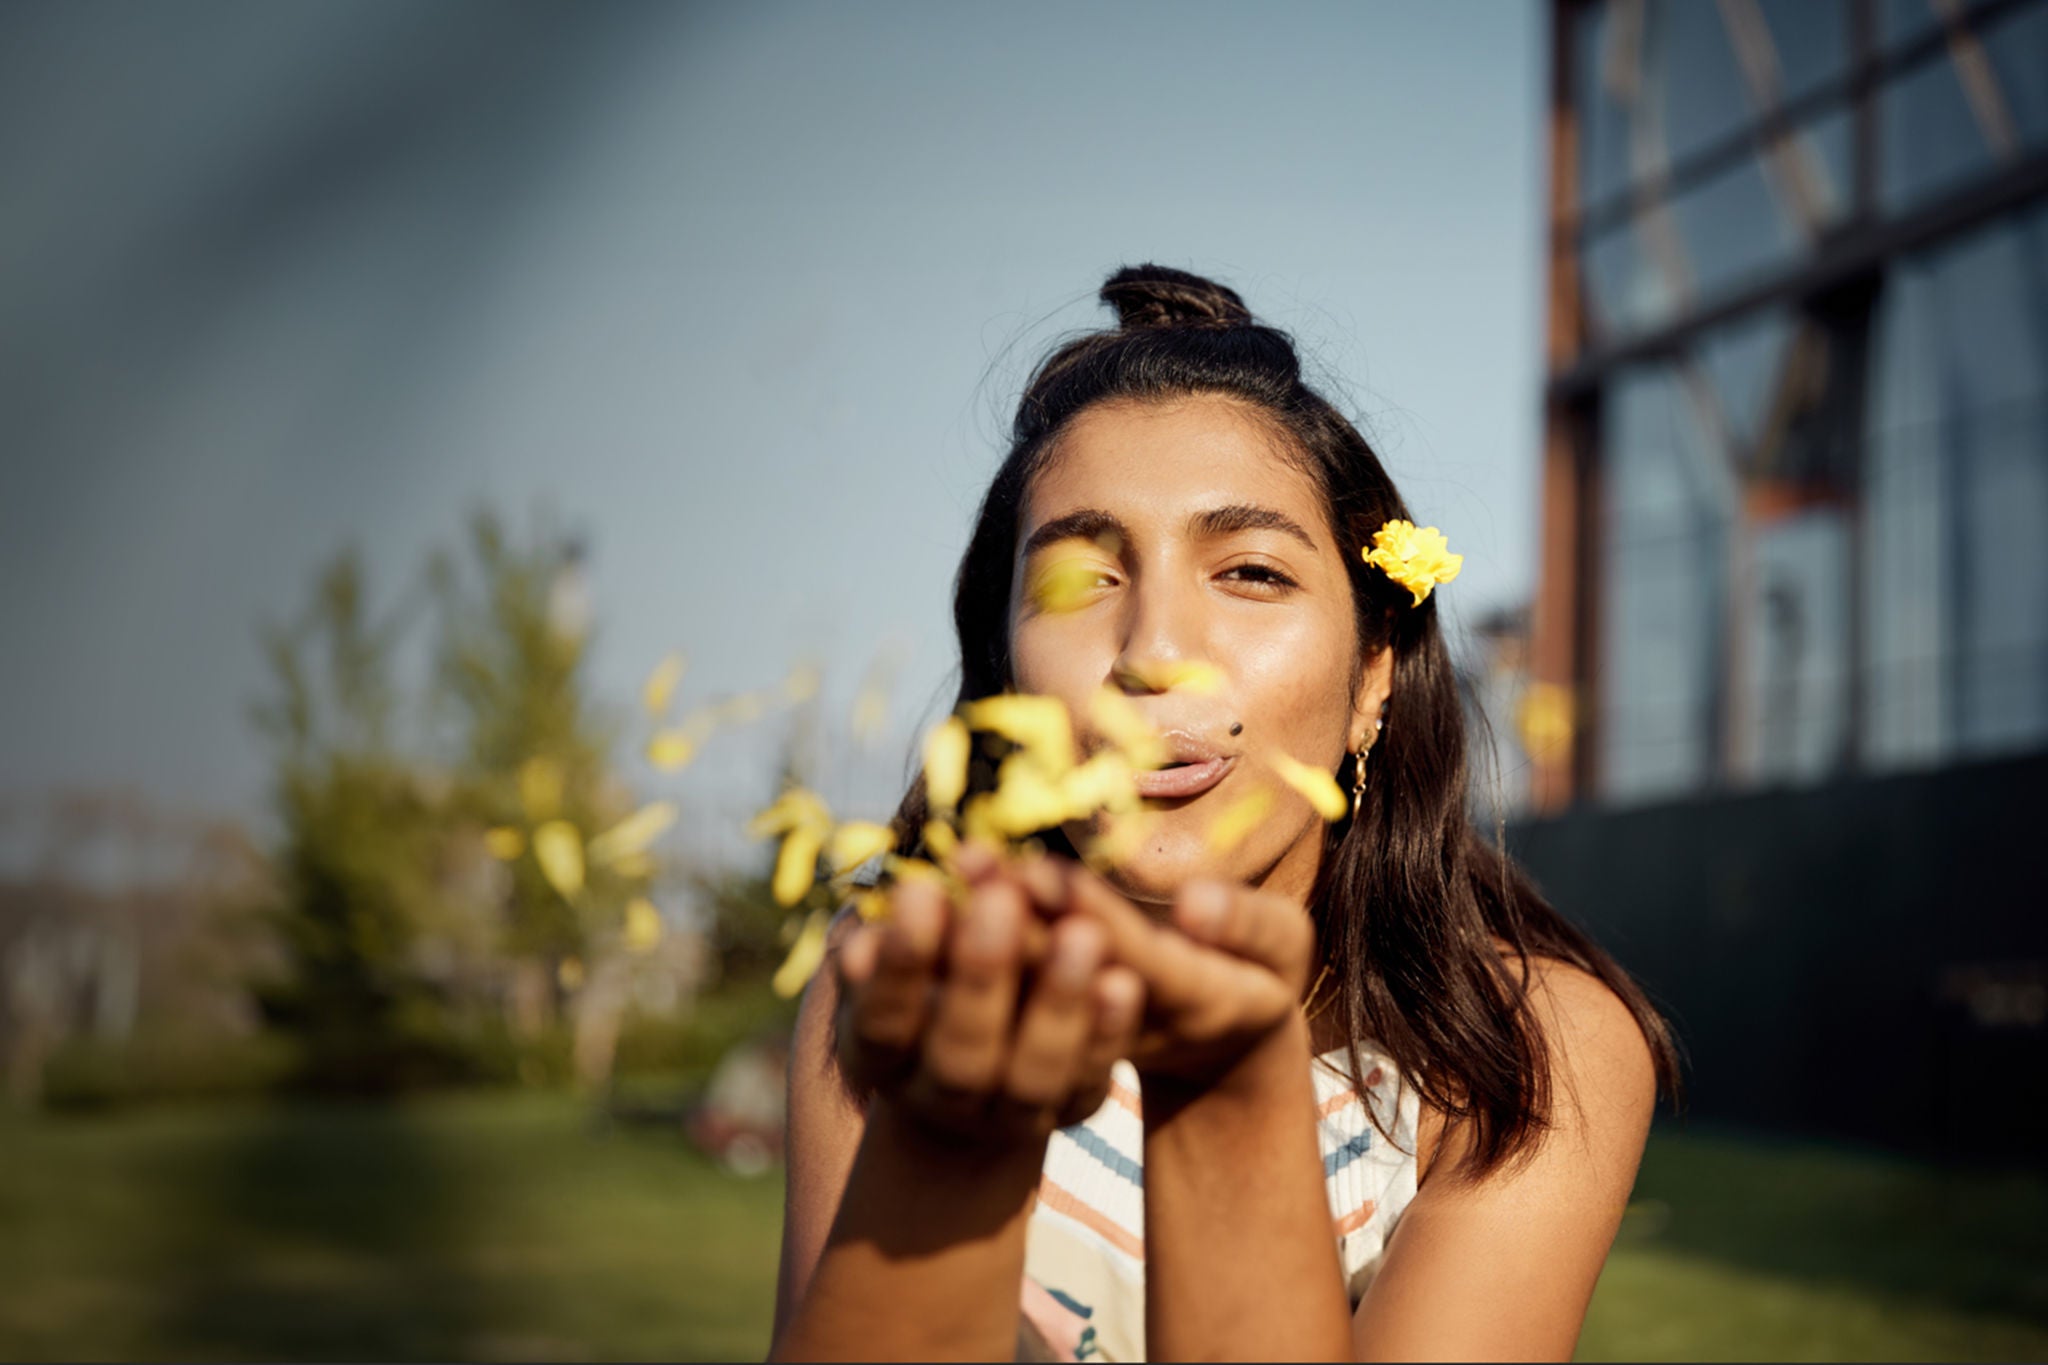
{"x":1264,"y":574}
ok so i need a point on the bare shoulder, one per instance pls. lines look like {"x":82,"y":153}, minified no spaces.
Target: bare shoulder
{"x":1603,"y":1073}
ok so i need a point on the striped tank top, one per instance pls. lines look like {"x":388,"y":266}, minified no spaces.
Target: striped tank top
{"x":1084,"y":1267}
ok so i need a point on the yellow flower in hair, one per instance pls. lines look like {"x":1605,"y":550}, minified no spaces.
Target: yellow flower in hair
{"x":1416,"y":558}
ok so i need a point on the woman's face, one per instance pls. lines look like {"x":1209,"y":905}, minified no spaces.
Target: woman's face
{"x":1201,"y":544}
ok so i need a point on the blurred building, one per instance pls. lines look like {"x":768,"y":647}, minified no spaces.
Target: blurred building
{"x":1794,"y":586}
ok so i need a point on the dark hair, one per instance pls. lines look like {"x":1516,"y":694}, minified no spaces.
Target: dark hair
{"x":1409,"y":895}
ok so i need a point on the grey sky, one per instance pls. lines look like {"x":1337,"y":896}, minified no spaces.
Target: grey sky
{"x":742,"y":291}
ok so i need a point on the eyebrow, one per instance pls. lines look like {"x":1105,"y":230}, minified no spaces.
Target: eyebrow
{"x":1092,"y":523}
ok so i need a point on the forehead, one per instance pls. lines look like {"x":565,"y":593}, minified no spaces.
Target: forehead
{"x":1165,"y":458}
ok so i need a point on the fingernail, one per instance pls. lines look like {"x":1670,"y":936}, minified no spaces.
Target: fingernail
{"x":1074,"y":956}
{"x":992,"y":921}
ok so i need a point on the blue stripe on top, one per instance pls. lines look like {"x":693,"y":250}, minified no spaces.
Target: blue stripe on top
{"x":1336,"y":1160}
{"x":1091,"y":1142}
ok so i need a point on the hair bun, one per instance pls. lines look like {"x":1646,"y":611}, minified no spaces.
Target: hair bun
{"x":1146,"y":296}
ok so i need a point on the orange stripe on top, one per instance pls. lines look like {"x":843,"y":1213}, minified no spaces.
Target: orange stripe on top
{"x":1335,"y":1103}
{"x":1354,"y":1220}
{"x":1094,"y":1219}
{"x":1122,"y":1094}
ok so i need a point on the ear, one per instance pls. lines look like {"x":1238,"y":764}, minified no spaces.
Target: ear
{"x":1373,"y":690}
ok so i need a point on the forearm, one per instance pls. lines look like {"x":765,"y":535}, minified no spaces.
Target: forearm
{"x":926,"y":1256}
{"x":1240,"y":1259}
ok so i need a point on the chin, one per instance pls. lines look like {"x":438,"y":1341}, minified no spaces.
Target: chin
{"x":1174,"y":853}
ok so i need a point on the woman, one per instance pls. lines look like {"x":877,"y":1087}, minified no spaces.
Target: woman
{"x":1344,"y":1091}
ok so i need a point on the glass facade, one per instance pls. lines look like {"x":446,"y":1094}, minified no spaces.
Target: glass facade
{"x":1810,"y":387}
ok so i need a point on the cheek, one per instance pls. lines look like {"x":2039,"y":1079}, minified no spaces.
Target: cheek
{"x":1057,"y":658}
{"x":1293,"y":681}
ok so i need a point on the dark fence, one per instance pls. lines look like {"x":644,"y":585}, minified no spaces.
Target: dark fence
{"x":1866,"y":960}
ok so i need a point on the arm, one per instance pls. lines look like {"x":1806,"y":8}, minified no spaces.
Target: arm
{"x":1241,"y":1262}
{"x":905,"y":1229}
{"x":1504,"y":1269}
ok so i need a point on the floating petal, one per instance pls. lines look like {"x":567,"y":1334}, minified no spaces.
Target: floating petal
{"x":558,"y":848}
{"x":796,"y":866}
{"x":805,"y":956}
{"x":1238,"y":819}
{"x":569,"y":971}
{"x":1189,"y":675}
{"x":634,"y":833}
{"x":643,"y":925}
{"x":856,"y":841}
{"x":1065,"y":582}
{"x":939,"y":838}
{"x":670,"y":750}
{"x":660,"y":687}
{"x":1038,"y":725}
{"x":1318,"y":786}
{"x":505,"y":843}
{"x":1119,"y":719}
{"x":796,"y":808}
{"x":945,"y":764}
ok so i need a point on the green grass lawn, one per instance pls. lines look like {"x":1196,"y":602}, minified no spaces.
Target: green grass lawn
{"x":492,"y":1226}
{"x":501,"y":1226}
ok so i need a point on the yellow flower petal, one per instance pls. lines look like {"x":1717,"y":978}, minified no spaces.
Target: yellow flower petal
{"x":1038,"y":725}
{"x":643,"y":925}
{"x":1416,"y":558}
{"x":504,"y":843}
{"x":796,"y":866}
{"x":660,"y":687}
{"x":1025,"y":799}
{"x":670,"y":750}
{"x":1238,"y":819}
{"x":1119,"y":719}
{"x":1319,"y":787}
{"x":912,"y":869}
{"x":1545,"y":718}
{"x":558,"y":848}
{"x":939,"y":838}
{"x":540,"y":788}
{"x":804,"y":958}
{"x":796,"y":808}
{"x":945,"y":764}
{"x":1065,"y":581}
{"x":1198,"y":676}
{"x":569,"y":971}
{"x":634,"y":833}
{"x":856,"y":841}
{"x":871,"y":904}
{"x":1105,"y":782}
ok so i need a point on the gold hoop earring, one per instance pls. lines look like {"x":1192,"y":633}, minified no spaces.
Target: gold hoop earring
{"x":1358,"y":781}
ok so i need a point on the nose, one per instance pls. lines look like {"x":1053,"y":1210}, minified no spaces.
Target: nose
{"x":1162,"y":628}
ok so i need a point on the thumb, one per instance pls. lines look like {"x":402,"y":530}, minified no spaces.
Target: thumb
{"x":1261,"y":926}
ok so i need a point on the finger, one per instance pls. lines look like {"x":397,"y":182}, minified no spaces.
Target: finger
{"x":1053,"y":1032}
{"x":1261,"y":926}
{"x":1117,"y":1000}
{"x":966,"y":1044}
{"x":891,"y":1008}
{"x":1174,"y":974}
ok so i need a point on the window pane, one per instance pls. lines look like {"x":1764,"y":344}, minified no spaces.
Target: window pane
{"x":1663,"y":528}
{"x":1756,"y":216}
{"x":1957,"y":562}
{"x":1931,"y":140}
